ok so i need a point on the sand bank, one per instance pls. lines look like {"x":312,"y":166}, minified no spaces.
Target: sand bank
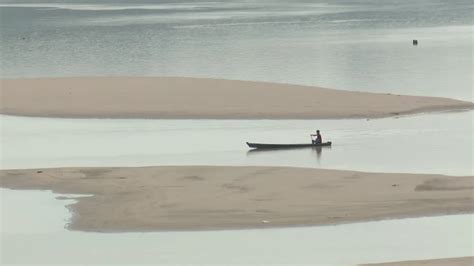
{"x":464,"y":261}
{"x":212,"y":197}
{"x":168,"y":97}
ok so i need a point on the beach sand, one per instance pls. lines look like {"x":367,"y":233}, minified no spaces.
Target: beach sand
{"x":464,"y":261}
{"x":172,"y":97}
{"x":213,"y":197}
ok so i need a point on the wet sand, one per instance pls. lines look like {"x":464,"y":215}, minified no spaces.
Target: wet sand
{"x":464,"y":261}
{"x":212,"y":197}
{"x":173,"y":97}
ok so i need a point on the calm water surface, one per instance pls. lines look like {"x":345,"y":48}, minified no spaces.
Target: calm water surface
{"x":33,"y":223}
{"x":436,"y":143}
{"x":353,"y":45}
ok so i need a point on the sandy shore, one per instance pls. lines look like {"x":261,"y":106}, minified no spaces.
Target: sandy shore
{"x":464,"y":261}
{"x":212,"y":197}
{"x":126,"y":97}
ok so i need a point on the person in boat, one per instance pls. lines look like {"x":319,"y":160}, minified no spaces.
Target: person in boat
{"x":318,"y":139}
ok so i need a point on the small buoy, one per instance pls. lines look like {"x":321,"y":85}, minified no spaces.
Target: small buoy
{"x":415,"y":42}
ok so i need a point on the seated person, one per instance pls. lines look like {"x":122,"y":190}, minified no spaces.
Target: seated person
{"x":319,"y":138}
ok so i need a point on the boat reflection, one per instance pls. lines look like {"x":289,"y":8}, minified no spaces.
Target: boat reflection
{"x":314,"y":151}
{"x":319,"y":152}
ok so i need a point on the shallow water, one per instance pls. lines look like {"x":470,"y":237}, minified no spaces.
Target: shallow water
{"x":354,"y":45}
{"x":435,"y":143}
{"x":33,"y":223}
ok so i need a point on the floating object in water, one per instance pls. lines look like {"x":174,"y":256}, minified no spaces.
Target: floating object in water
{"x":415,"y":42}
{"x":286,"y":146}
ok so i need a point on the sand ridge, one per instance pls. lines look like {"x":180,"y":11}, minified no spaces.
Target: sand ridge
{"x":463,"y":261}
{"x":179,"y":97}
{"x":224,"y":197}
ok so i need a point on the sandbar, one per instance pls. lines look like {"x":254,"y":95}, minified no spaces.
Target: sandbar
{"x":166,"y":198}
{"x":463,"y":261}
{"x":195,"y":98}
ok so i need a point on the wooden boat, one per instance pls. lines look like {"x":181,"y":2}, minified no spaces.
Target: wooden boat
{"x":286,"y":146}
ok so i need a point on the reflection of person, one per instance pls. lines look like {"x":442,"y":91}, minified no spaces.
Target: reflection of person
{"x":318,"y":152}
{"x":319,"y":138}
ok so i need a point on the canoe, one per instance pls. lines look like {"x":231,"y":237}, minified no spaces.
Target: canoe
{"x":286,"y":146}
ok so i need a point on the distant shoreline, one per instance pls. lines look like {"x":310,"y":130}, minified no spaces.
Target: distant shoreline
{"x":201,"y":98}
{"x":164,"y":198}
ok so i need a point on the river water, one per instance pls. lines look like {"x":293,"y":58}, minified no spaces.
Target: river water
{"x":435,"y":143}
{"x":353,"y":45}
